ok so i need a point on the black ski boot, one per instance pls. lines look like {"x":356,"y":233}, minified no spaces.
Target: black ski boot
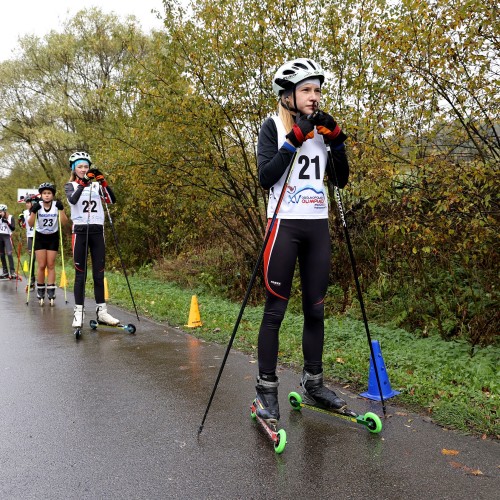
{"x":316,"y":394}
{"x":266,"y":400}
{"x":51,"y":294}
{"x":40,"y":293}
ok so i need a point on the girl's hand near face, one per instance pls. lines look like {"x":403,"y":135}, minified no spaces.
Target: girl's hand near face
{"x":301,"y":131}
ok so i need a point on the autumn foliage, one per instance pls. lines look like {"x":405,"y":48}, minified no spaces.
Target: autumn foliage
{"x":173,"y":117}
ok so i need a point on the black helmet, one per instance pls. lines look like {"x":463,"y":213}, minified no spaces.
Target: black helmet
{"x":47,"y":185}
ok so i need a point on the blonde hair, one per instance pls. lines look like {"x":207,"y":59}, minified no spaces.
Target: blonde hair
{"x":72,"y":177}
{"x":286,"y":117}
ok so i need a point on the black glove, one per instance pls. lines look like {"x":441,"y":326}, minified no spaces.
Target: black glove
{"x":59,"y":205}
{"x":21,"y":219}
{"x":89,"y":177}
{"x":301,"y":131}
{"x":99,"y":177}
{"x":328,"y":128}
{"x":81,"y":182}
{"x":94,"y":171}
{"x":5,"y":220}
{"x":35,"y":206}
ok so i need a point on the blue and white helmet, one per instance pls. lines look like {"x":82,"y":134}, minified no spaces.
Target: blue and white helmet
{"x":3,"y":208}
{"x":79,"y":155}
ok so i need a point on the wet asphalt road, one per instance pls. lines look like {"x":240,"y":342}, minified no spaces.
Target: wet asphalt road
{"x":116,"y":415}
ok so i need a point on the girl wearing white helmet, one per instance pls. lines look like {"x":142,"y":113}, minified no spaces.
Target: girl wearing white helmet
{"x":85,"y":191}
{"x":7,"y":225}
{"x":301,"y":228}
{"x":44,"y":218}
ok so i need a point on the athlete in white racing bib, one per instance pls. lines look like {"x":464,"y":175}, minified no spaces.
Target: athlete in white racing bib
{"x":7,"y":225}
{"x":86,"y":190}
{"x":44,"y":218}
{"x":30,"y":230}
{"x":300,"y":231}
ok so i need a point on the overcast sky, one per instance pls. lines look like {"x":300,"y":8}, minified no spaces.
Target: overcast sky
{"x":18,"y":18}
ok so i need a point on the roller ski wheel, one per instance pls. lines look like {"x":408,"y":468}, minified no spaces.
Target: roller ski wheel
{"x":52,"y":302}
{"x":41,"y":302}
{"x":130,"y":328}
{"x":369,"y":420}
{"x":78,"y":333}
{"x":277,"y":436}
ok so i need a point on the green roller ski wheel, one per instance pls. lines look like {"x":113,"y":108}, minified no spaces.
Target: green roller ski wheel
{"x":295,"y":399}
{"x":279,"y":446}
{"x":253,"y":412}
{"x":373,"y":421}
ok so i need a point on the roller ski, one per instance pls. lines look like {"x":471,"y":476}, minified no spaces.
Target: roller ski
{"x":30,"y":286}
{"x":319,"y":398}
{"x":105,"y":319}
{"x":265,"y":410}
{"x":40,"y":293}
{"x":78,"y":317}
{"x":10,"y":277}
{"x":51,"y":294}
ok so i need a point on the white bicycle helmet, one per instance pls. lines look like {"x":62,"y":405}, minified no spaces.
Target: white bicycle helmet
{"x":293,"y":72}
{"x":79,"y":155}
{"x":3,"y":208}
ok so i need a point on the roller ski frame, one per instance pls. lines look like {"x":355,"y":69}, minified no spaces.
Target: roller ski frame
{"x":50,"y":300}
{"x":369,"y":420}
{"x":18,"y":278}
{"x":277,"y":436}
{"x":51,"y":295}
{"x":130,"y":328}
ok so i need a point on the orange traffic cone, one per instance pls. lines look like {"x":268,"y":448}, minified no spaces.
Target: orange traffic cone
{"x":194,"y":314}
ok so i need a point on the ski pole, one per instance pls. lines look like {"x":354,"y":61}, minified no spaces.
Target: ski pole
{"x":340,"y":206}
{"x":19,"y":245}
{"x":63,"y":274}
{"x":20,"y":249}
{"x":31,"y":258}
{"x":115,"y":237}
{"x":250,"y":284}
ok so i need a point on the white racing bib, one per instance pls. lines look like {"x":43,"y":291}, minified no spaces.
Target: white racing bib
{"x":29,"y":230}
{"x":4,"y":228}
{"x":89,"y":209}
{"x":46,"y":221}
{"x":306,"y":196}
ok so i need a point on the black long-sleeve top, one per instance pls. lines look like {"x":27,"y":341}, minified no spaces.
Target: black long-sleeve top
{"x":273,"y":159}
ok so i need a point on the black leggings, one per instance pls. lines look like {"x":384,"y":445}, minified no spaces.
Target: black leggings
{"x":97,"y":253}
{"x":309,"y":242}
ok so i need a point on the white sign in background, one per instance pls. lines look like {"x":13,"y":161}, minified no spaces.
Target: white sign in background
{"x":23,"y":193}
